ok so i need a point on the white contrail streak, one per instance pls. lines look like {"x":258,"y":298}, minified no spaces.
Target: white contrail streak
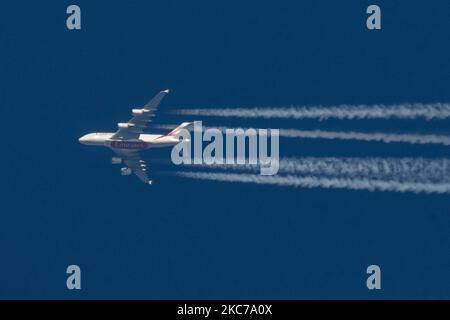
{"x":412,"y":138}
{"x":315,"y":182}
{"x":398,"y":169}
{"x":377,"y":111}
{"x":164,"y":126}
{"x":363,"y":136}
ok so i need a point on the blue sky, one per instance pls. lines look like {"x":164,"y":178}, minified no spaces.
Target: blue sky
{"x":63,"y":203}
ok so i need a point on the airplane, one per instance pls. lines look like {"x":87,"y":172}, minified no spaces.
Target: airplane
{"x":130,"y":138}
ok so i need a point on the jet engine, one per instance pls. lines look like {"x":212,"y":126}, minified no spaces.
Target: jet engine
{"x":125,"y":125}
{"x":137,"y":112}
{"x":125,"y":171}
{"x":116,"y":160}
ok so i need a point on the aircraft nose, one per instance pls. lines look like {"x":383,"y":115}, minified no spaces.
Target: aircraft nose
{"x":82,"y":139}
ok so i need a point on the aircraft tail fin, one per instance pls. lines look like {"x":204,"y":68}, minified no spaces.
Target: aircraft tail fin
{"x":184,"y":125}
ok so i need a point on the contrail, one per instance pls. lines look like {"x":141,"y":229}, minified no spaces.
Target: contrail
{"x":428,"y":111}
{"x":398,"y":169}
{"x":315,"y":182}
{"x":363,"y":136}
{"x":411,"y":138}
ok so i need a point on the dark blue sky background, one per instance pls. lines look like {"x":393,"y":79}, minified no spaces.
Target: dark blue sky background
{"x":63,"y":203}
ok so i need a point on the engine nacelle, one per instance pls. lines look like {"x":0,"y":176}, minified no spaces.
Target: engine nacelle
{"x":125,"y":171}
{"x":116,"y":160}
{"x":125,"y":125}
{"x":137,"y":112}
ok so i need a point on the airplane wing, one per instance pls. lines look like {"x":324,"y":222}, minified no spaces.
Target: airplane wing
{"x":141,"y":117}
{"x":134,"y":162}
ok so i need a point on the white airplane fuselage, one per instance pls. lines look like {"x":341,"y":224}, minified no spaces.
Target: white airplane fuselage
{"x":145,"y":141}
